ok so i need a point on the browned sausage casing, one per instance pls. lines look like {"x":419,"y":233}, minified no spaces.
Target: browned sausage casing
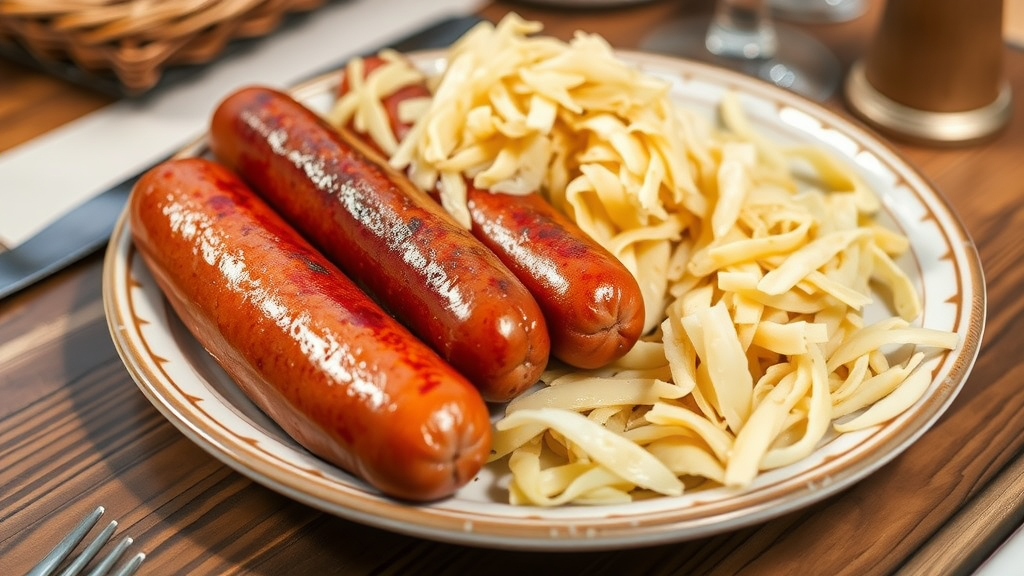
{"x":390,"y":237}
{"x":592,"y":304}
{"x":310,"y":348}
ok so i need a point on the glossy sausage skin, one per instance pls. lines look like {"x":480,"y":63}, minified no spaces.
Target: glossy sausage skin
{"x":393,"y":239}
{"x":591,"y":302}
{"x":593,"y":305}
{"x":312,"y":350}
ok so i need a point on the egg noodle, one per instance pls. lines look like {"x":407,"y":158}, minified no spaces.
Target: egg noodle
{"x":756,"y":262}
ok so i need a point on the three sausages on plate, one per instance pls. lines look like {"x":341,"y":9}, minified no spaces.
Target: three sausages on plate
{"x":353,"y":310}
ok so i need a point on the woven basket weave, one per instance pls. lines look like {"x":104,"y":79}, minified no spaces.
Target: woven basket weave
{"x":136,"y":40}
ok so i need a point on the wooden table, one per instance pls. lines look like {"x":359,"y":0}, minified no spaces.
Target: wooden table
{"x":75,"y":431}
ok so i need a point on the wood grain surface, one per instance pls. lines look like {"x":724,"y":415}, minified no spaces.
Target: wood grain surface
{"x":76,"y":432}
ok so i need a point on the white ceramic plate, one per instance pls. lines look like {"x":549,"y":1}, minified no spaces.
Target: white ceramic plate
{"x":191,"y":390}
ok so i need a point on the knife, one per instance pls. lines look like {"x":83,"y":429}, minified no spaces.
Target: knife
{"x":87,"y":227}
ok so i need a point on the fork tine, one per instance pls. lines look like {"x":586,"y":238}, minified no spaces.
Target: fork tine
{"x":108,"y":561}
{"x":62,"y":549}
{"x":90,"y":550}
{"x":132,"y":565}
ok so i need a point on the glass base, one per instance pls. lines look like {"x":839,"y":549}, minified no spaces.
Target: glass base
{"x":801,"y":62}
{"x":925,"y":126}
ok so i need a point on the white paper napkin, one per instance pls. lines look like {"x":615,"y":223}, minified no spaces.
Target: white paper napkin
{"x":48,"y":175}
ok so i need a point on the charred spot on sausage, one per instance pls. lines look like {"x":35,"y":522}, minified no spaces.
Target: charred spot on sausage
{"x":314,"y":266}
{"x":414,"y":224}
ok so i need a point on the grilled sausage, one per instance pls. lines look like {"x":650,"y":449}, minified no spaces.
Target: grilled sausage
{"x":393,"y":239}
{"x":311,"y":349}
{"x":592,"y":304}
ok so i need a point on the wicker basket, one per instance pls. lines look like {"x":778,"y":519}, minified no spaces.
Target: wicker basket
{"x":135,"y":41}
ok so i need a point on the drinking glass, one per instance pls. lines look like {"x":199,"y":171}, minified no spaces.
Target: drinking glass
{"x":818,"y":11}
{"x":742,"y":35}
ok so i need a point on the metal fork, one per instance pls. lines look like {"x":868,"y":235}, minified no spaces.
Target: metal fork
{"x":105,"y":567}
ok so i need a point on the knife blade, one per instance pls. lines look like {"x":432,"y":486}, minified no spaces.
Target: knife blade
{"x":87,"y":227}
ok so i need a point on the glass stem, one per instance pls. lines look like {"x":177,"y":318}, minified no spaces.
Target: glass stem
{"x":741,"y":29}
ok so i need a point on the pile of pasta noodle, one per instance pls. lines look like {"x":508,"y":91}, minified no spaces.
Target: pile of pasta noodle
{"x":756,"y":262}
